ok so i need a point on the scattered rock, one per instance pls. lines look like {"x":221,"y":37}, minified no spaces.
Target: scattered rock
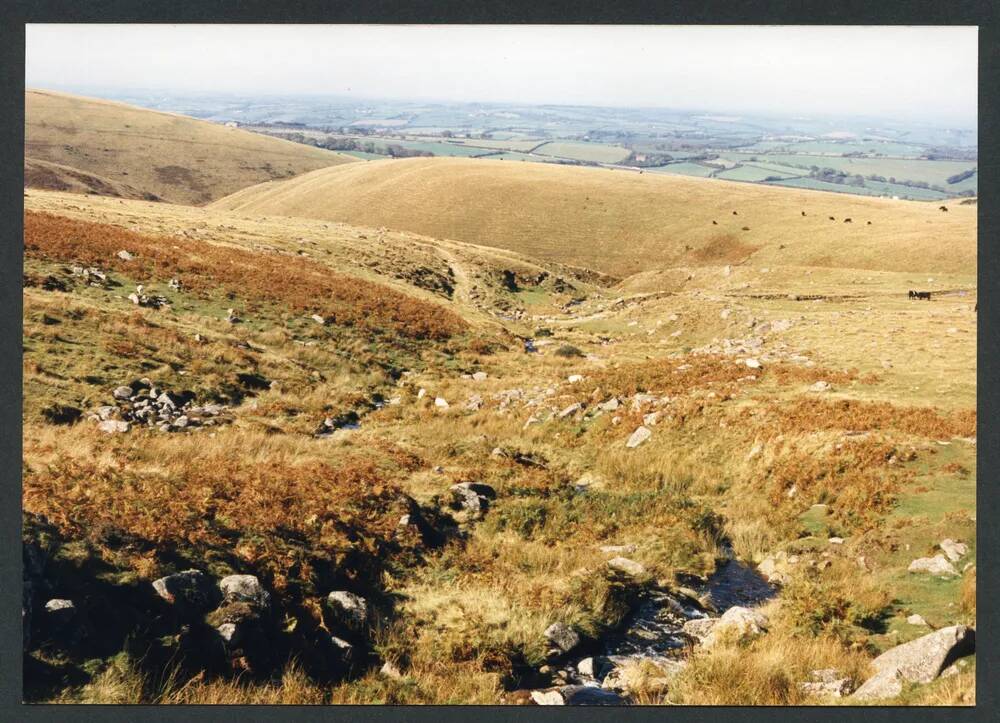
{"x":836,"y":540}
{"x":699,"y":628}
{"x":739,"y":622}
{"x":752,"y":363}
{"x":562,"y":636}
{"x":472,"y":497}
{"x":916,"y":620}
{"x":820,"y":386}
{"x":191,"y":589}
{"x":440,"y":402}
{"x":479,"y":376}
{"x":348,"y":609}
{"x":936,"y":565}
{"x":919,"y":661}
{"x":626,"y":566}
{"x":574,"y":378}
{"x":244,"y":588}
{"x":548,"y":697}
{"x":609,"y":406}
{"x":318,"y":319}
{"x":639,"y":436}
{"x":570,"y":410}
{"x":955,"y":551}
{"x":826,"y":683}
{"x":125,"y":255}
{"x":112,"y":426}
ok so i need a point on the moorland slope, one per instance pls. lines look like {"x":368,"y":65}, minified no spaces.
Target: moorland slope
{"x":162,"y":155}
{"x":622,"y":222}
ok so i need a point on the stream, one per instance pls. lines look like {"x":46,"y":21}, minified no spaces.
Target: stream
{"x":653,"y":632}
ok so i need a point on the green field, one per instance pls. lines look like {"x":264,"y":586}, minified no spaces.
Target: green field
{"x":511,"y":156}
{"x":873,"y":189}
{"x":934,"y":172}
{"x":500,"y":145}
{"x":685,"y":169}
{"x":582,"y":151}
{"x":754,"y":173}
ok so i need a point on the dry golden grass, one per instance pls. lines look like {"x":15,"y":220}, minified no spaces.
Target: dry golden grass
{"x":175,"y":158}
{"x":765,"y":672}
{"x":806,"y":415}
{"x":57,"y":177}
{"x":621,"y":222}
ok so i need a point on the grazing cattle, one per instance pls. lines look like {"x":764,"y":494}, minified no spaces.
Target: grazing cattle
{"x":942,"y":208}
{"x":715,"y":223}
{"x":920,"y":295}
{"x":847,"y":220}
{"x":803,"y":213}
{"x":746,"y":228}
{"x":735,"y":214}
{"x":832,"y":218}
{"x":869,"y":223}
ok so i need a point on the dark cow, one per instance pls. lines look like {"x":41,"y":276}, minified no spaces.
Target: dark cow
{"x":920,"y":295}
{"x":803,"y":213}
{"x":746,"y":228}
{"x":847,"y":220}
{"x":735,"y":214}
{"x":942,"y":208}
{"x":715,"y":223}
{"x":832,"y":218}
{"x":869,"y":223}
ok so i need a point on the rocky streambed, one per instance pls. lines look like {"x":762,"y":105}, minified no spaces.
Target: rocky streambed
{"x":655,"y":641}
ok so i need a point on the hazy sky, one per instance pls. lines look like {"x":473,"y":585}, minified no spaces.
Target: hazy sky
{"x":928,"y":73}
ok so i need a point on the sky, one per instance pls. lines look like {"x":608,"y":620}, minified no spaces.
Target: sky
{"x":908,"y":73}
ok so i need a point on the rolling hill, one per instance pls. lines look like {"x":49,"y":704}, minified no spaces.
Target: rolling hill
{"x":621,"y":222}
{"x":148,"y":153}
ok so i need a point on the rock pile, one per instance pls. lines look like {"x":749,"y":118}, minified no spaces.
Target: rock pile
{"x":143,"y":403}
{"x":154,"y":301}
{"x":92,"y":276}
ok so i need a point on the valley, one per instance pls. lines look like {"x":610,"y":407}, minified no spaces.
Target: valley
{"x":456,"y":431}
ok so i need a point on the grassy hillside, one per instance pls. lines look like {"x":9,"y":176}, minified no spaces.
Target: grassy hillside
{"x":177,"y":159}
{"x":840,"y":488}
{"x":622,"y":222}
{"x":56,"y":177}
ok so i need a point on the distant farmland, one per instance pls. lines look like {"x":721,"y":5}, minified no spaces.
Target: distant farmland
{"x":584,"y":151}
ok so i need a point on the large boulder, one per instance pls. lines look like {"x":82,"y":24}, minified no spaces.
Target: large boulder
{"x":936,"y":565}
{"x":738,"y":623}
{"x":919,"y":661}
